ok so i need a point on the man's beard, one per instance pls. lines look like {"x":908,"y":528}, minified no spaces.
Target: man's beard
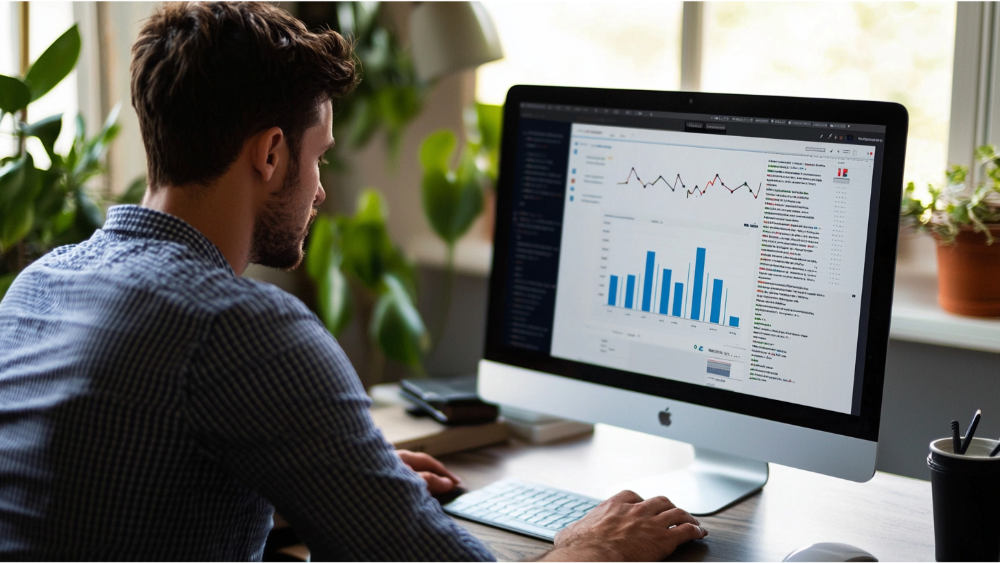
{"x":278,"y":230}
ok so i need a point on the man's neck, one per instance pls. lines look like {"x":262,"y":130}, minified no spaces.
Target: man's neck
{"x":221,"y":211}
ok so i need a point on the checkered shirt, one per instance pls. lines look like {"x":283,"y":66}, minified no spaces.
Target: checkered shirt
{"x":155,"y":406}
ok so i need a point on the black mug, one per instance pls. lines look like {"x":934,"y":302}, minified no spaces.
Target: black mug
{"x":966,"y":493}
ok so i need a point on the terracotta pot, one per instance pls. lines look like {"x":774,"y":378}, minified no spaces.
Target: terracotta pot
{"x":969,"y":274}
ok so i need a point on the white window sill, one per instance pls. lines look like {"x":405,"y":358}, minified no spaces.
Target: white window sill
{"x":473,"y":255}
{"x":916,"y":315}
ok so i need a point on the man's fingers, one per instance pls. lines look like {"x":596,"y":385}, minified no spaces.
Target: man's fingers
{"x":437,"y":484}
{"x":685,"y":533}
{"x":626,"y":497}
{"x":656,"y":505}
{"x":675,"y":517}
{"x":423,"y":462}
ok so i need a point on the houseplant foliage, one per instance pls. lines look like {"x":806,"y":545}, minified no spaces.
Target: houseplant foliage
{"x":482,"y":133}
{"x":41,"y":208}
{"x":389,"y":96}
{"x":960,"y":203}
{"x":453,"y":197}
{"x":964,"y":218}
{"x":352,"y":258}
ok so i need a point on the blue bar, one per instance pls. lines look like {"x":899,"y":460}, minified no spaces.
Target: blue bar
{"x":699,"y":273}
{"x":716,"y":300}
{"x":678,"y":298}
{"x":647,"y":284}
{"x":613,"y":291}
{"x":734,"y":321}
{"x":629,"y":290}
{"x":665,"y":292}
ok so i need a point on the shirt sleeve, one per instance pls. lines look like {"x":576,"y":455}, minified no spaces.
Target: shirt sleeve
{"x":275,"y":401}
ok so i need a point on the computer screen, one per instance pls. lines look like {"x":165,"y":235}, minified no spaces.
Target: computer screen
{"x":733,"y":252}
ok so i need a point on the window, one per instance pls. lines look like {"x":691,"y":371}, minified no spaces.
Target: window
{"x":598,"y":44}
{"x":47,"y":21}
{"x":899,"y":52}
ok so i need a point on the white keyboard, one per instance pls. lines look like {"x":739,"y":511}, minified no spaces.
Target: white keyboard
{"x":526,"y":508}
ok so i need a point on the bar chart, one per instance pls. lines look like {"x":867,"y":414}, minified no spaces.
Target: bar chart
{"x":700,"y":297}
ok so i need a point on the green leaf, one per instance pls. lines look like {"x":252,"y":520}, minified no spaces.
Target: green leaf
{"x":378,"y":56}
{"x":323,"y":264}
{"x":55,"y":63}
{"x":20,"y":218}
{"x":14,"y":94}
{"x":134,"y":192}
{"x":365,"y":248}
{"x":51,"y":198}
{"x":451,"y":205}
{"x":956,"y":174}
{"x":365,"y":14}
{"x":334,"y":299}
{"x":5,"y":282}
{"x":319,"y":248}
{"x":47,"y":131}
{"x":18,"y":188}
{"x":89,"y":216}
{"x":397,"y":327}
{"x":364,"y":123}
{"x":490,"y":119}
{"x":436,"y":150}
{"x":371,"y":207}
{"x":95,"y":148}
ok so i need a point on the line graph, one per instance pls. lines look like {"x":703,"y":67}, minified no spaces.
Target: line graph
{"x":700,"y":191}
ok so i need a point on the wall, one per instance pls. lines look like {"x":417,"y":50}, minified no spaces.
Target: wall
{"x":926,"y":387}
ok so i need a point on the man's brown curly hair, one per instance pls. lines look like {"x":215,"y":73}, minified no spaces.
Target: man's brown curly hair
{"x":208,"y":76}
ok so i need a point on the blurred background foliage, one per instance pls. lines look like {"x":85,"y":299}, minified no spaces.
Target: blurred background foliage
{"x":389,"y":96}
{"x":41,"y":208}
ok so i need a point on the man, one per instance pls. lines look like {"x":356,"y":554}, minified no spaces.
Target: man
{"x":155,"y":405}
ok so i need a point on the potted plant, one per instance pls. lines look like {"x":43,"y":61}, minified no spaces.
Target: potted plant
{"x":355,"y":264}
{"x":963,"y":216}
{"x":453,"y":197}
{"x":42,"y":208}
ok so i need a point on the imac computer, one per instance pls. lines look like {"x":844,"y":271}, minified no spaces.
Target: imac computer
{"x":715,"y":269}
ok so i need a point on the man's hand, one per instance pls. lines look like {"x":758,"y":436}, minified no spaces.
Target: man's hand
{"x":439,"y":480}
{"x":626,"y":528}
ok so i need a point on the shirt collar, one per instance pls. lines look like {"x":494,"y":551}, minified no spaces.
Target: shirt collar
{"x":145,"y":222}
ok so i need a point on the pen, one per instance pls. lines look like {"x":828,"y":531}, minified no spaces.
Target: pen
{"x":971,"y":431}
{"x":995,"y":451}
{"x":956,"y":439}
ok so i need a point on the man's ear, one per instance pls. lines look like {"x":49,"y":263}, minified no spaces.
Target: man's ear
{"x":270,"y":151}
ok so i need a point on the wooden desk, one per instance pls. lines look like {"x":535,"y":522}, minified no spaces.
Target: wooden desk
{"x":890,"y":516}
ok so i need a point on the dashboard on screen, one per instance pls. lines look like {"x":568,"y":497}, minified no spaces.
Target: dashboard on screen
{"x":717,"y":250}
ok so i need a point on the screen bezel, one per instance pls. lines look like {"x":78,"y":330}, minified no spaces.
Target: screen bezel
{"x":880,"y":263}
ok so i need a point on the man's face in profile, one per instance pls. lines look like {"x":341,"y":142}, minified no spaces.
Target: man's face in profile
{"x":281,"y":228}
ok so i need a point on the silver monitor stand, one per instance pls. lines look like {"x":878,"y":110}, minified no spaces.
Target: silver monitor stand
{"x":714,"y":481}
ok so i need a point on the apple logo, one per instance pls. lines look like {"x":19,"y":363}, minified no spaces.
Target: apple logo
{"x":665,"y":417}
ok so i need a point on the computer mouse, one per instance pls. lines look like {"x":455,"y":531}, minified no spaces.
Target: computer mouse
{"x":830,"y":551}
